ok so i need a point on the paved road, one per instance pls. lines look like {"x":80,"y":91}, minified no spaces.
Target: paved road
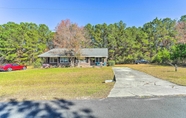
{"x":130,"y":83}
{"x":158,"y":107}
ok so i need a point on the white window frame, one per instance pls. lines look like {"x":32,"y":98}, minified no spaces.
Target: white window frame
{"x":64,"y":59}
{"x":52,"y":59}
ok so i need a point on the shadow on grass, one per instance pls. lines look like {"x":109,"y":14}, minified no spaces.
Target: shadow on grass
{"x":58,"y":108}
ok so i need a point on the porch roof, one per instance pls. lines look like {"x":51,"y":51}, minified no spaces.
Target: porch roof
{"x":85,"y":52}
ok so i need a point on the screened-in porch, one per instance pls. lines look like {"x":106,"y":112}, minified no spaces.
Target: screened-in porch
{"x":72,"y":61}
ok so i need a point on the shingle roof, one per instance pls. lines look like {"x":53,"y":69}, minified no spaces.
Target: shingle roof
{"x":85,"y":52}
{"x":95,"y":52}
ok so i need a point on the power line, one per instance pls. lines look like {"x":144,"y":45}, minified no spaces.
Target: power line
{"x":85,"y":9}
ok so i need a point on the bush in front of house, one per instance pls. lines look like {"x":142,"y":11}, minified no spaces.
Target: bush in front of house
{"x":37,"y":64}
{"x":111,"y":63}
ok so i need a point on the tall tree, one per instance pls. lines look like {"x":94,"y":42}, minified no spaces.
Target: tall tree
{"x":23,"y":42}
{"x":181,"y":30}
{"x":161,"y":34}
{"x":70,"y":36}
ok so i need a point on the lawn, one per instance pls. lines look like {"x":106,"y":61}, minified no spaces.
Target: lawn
{"x":47,"y":84}
{"x":164,"y":72}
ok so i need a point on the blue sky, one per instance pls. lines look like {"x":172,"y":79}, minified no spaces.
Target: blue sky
{"x":51,"y":12}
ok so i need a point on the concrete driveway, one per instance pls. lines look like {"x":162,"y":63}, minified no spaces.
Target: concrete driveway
{"x":130,"y":83}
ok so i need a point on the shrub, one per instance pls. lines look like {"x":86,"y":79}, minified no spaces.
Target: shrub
{"x":162,"y":56}
{"x":111,"y":63}
{"x":37,"y":64}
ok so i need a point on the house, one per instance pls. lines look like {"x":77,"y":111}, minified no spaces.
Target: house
{"x":87,"y":57}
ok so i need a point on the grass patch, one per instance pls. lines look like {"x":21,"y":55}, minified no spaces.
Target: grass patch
{"x":163,"y":72}
{"x":67,"y":83}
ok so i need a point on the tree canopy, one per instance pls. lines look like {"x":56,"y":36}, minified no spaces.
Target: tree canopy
{"x":22,"y":43}
{"x":70,"y":36}
{"x":159,"y":40}
{"x":126,"y":44}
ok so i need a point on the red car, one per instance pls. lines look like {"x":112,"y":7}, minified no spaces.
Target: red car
{"x":10,"y":67}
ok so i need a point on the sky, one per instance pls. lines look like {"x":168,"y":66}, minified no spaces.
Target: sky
{"x":51,"y":12}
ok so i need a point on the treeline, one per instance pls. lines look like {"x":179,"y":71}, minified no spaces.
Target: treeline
{"x":161,"y":40}
{"x":157,"y":41}
{"x":22,"y":43}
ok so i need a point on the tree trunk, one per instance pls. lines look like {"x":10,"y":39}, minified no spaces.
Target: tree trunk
{"x":72,"y":62}
{"x":176,"y":67}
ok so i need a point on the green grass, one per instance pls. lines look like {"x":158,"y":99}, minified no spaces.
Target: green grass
{"x":67,"y":83}
{"x":164,"y":72}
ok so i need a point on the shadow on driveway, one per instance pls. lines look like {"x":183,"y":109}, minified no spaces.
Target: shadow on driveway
{"x":58,"y":108}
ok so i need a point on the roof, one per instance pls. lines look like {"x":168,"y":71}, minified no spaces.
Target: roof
{"x":85,"y":52}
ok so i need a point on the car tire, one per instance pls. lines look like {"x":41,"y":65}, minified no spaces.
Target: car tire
{"x":9,"y":69}
{"x":24,"y":68}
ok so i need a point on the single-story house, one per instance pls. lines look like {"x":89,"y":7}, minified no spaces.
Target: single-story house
{"x":87,"y":57}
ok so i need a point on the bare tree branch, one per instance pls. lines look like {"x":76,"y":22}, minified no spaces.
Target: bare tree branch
{"x":70,"y":36}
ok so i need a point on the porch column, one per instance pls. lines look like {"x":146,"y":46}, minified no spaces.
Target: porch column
{"x":88,"y":60}
{"x":105,"y":61}
{"x":73,"y":61}
{"x":95,"y":61}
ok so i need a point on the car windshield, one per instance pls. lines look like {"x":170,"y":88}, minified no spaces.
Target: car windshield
{"x":5,"y":64}
{"x":15,"y":64}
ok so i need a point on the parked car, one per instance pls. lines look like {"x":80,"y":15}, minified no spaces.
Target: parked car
{"x":10,"y":67}
{"x":141,"y":61}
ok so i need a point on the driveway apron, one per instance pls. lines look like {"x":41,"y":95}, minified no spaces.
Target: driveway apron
{"x":132,"y":83}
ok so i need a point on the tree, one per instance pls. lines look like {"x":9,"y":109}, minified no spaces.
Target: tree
{"x":70,"y":36}
{"x":161,"y":34}
{"x":9,"y":41}
{"x":153,"y":41}
{"x":22,"y":43}
{"x":124,"y":44}
{"x":181,"y":30}
{"x":179,"y":52}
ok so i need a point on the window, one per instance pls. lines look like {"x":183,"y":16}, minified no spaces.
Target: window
{"x":99,"y":59}
{"x":15,"y":64}
{"x":53,"y":60}
{"x":64,"y":59}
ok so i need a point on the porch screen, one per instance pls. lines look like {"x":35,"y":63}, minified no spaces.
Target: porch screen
{"x":53,"y":60}
{"x":99,"y":59}
{"x":64,"y":59}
